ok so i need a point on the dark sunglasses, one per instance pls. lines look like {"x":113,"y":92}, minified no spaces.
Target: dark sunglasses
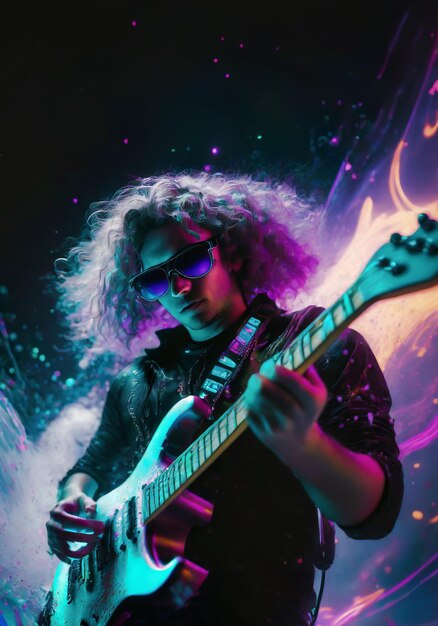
{"x":192,"y":261}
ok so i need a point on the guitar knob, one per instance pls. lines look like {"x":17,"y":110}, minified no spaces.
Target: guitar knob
{"x":432,"y":248}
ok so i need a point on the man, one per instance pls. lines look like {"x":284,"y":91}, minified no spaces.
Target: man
{"x":322,"y":439}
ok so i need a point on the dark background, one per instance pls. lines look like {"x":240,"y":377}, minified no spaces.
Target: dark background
{"x":90,"y":102}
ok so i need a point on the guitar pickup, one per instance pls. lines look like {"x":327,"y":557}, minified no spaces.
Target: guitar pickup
{"x":89,"y":585}
{"x":131,"y":532}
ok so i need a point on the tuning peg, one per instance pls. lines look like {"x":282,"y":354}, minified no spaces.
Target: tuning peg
{"x":432,"y":248}
{"x":426,"y":222}
{"x":396,"y":239}
{"x":415,"y":245}
{"x":397,"y":268}
{"x":383,"y":261}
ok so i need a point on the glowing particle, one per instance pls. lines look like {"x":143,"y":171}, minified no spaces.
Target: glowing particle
{"x":435,"y":401}
{"x":42,"y":357}
{"x":259,"y":136}
{"x":188,"y":148}
{"x":215,"y":60}
{"x":134,"y":23}
{"x":222,"y":38}
{"x":227,"y":76}
{"x":354,"y":176}
{"x":417,"y":515}
{"x":334,"y":141}
{"x":339,"y":102}
{"x":126,"y":140}
{"x":348,"y":167}
{"x":299,"y":561}
{"x":207,"y":167}
{"x":35,"y":350}
{"x":70,"y":382}
{"x":215,"y":150}
{"x":416,"y":465}
{"x":370,"y":418}
{"x":421,"y":352}
{"x":75,"y":200}
{"x":241,"y":45}
{"x":434,"y":520}
{"x":11,"y":370}
{"x":173,"y":150}
{"x":339,"y":398}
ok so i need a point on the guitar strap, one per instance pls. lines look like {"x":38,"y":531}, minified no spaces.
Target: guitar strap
{"x":227,"y":366}
{"x":218,"y":381}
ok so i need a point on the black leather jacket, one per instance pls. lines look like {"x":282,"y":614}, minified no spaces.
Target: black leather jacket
{"x":261,"y":543}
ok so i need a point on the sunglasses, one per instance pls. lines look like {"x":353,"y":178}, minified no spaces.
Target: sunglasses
{"x":192,"y":261}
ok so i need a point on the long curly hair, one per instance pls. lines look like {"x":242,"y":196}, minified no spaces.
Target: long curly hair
{"x":267,"y":222}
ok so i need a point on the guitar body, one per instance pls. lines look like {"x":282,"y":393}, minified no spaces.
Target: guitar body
{"x":134,"y":560}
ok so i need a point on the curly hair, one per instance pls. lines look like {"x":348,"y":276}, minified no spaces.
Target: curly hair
{"x":265,"y":220}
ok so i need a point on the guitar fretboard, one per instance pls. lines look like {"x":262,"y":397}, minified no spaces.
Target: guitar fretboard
{"x":304,"y":350}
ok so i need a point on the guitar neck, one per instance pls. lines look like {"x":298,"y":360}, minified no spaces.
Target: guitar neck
{"x":304,"y":350}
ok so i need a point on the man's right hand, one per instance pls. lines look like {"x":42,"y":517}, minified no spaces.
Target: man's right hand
{"x":72,"y":520}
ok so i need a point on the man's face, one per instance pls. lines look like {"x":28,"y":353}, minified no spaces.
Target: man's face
{"x":219,"y":299}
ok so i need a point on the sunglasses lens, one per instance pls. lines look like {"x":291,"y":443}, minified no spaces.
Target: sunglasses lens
{"x":194,"y":263}
{"x":152,"y":285}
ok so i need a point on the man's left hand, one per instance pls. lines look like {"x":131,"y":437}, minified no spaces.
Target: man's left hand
{"x":284,"y":407}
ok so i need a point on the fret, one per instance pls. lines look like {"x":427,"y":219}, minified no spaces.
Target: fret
{"x":296,"y":356}
{"x":338,"y":313}
{"x":208,"y":444}
{"x":182,"y":469}
{"x":317,"y":337}
{"x":229,"y":424}
{"x":146,"y":501}
{"x":215,"y":439}
{"x":154,"y":501}
{"x":305,"y":345}
{"x":166,"y":484}
{"x":188,"y":464}
{"x":329,"y":322}
{"x":161,"y":488}
{"x":240,"y":414}
{"x":176,"y":478}
{"x":195,"y":457}
{"x":286,"y":359}
{"x":201,"y":451}
{"x":348,"y":304}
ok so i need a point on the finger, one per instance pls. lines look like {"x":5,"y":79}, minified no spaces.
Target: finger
{"x":61,"y":557}
{"x":302,"y":389}
{"x":58,"y":531}
{"x":74,"y":521}
{"x":272,"y":395}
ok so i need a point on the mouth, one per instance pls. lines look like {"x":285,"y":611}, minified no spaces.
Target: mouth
{"x":191,"y":306}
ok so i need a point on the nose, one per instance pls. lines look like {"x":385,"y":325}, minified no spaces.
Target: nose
{"x":179,"y":284}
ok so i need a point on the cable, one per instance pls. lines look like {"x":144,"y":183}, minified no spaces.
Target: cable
{"x":315,"y":610}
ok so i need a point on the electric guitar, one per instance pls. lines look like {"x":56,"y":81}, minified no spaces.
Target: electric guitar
{"x":149,"y":516}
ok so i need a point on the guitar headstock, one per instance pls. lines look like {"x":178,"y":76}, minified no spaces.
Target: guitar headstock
{"x":404,"y":264}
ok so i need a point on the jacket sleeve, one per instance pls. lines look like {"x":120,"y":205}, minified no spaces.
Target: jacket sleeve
{"x":358,"y":416}
{"x":107,"y":442}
